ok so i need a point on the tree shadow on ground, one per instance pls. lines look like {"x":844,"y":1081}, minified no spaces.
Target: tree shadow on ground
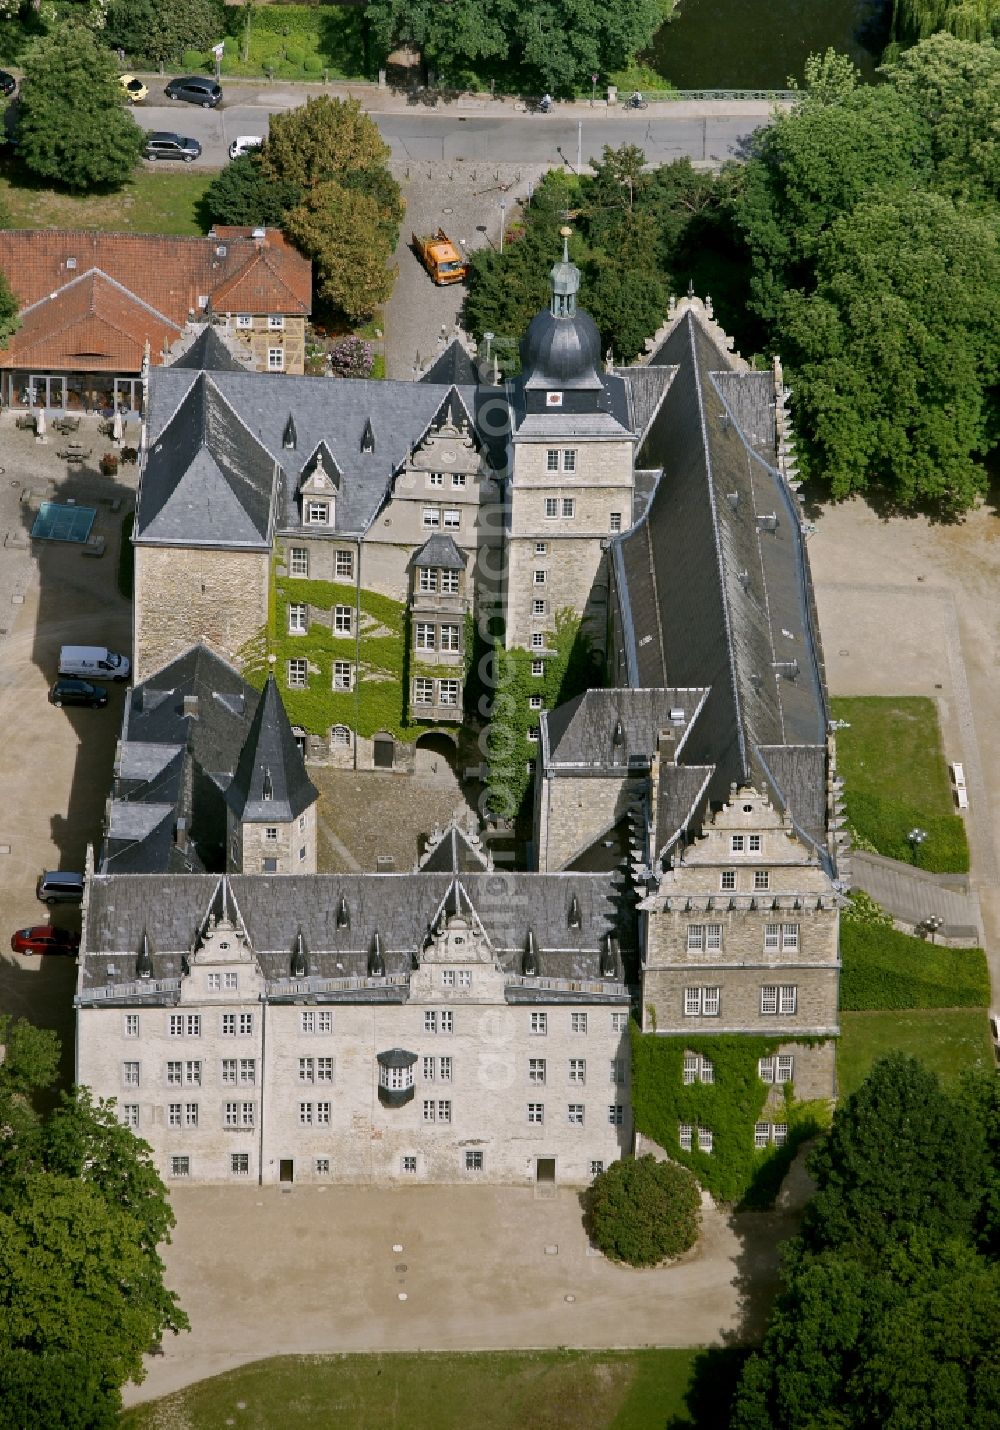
{"x":710,"y":1396}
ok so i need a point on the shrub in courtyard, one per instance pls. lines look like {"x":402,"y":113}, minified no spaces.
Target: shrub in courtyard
{"x":352,"y":357}
{"x":643,"y":1211}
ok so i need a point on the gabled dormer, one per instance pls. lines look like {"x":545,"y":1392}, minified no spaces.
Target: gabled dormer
{"x":318,"y":489}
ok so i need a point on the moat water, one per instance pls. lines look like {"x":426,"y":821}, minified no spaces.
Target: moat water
{"x":758,"y":44}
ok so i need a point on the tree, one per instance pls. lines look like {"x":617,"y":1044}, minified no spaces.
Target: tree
{"x":894,"y":355}
{"x":159,"y":31}
{"x":642,"y":1211}
{"x":73,"y":127}
{"x":60,"y":1390}
{"x":243,"y":194}
{"x":9,"y":308}
{"x":323,"y":139}
{"x":30,"y":1063}
{"x":342,"y":232}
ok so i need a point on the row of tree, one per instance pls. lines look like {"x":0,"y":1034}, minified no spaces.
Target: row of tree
{"x":890,"y":1312}
{"x":859,"y":240}
{"x":83,"y":1213}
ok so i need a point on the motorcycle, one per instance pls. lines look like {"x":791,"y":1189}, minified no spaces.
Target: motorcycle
{"x":636,"y":101}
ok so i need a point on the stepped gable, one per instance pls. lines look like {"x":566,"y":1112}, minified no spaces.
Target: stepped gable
{"x":270,"y":784}
{"x":207,"y":481}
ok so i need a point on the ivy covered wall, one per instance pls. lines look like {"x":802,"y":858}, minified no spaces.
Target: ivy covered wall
{"x":734,"y":1171}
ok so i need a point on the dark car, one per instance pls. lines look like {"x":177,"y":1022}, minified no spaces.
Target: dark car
{"x":195,"y":89}
{"x":78,"y":692}
{"x":8,"y":84}
{"x":43,"y":938}
{"x":161,"y":145}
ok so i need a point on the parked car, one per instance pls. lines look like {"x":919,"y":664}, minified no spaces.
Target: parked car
{"x":93,"y":662}
{"x":8,"y":84}
{"x":195,"y":89}
{"x":243,"y":144}
{"x":57,"y":886}
{"x":43,"y":938}
{"x":78,"y":692}
{"x":134,"y":88}
{"x":162,"y":145}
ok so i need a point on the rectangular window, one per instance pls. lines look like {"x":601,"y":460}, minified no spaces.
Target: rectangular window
{"x":539,"y":577}
{"x":465,"y":978}
{"x":435,"y":479}
{"x":246,"y":1114}
{"x":578,"y":1022}
{"x":322,"y":1166}
{"x":296,"y":675}
{"x":430,"y":1022}
{"x":307,"y":1022}
{"x":535,"y":702}
{"x":430,"y":1110}
{"x":322,"y":1114}
{"x":532,"y":734}
{"x":297,"y":620}
{"x":574,"y":1114}
{"x":318,"y":513}
{"x":244,"y":320}
{"x":541,"y":548}
{"x":248,"y":1070}
{"x":173,"y":1114}
{"x":431,"y":517}
{"x":270,"y":837}
{"x":228,"y":1071}
{"x":569,"y":461}
{"x":551,"y":507}
{"x":619,"y":1022}
{"x":192,"y":1073}
{"x":596,"y":1167}
{"x":789,"y":937}
{"x":130,"y":1114}
{"x":784,"y":1068}
{"x":537,"y":640}
{"x":692,"y":1063}
{"x":343,"y":675}
{"x":616,"y":1114}
{"x":447,"y":692}
{"x":429,"y":1066}
{"x":423,"y":692}
{"x":427,"y":580}
{"x":447,"y":978}
{"x":536,"y":1071}
{"x":190,"y":1114}
{"x":130,"y":1074}
{"x":539,"y":1023}
{"x":175,"y":1025}
{"x":343,"y":620}
{"x":175,"y":1074}
{"x":772,"y":938}
{"x":275,"y":359}
{"x":538,"y":608}
{"x":728,"y":879}
{"x":473,"y":1161}
{"x":449,"y":583}
{"x":710,"y":1002}
{"x":447,"y":1022}
{"x":449,"y":637}
{"x":444,"y":1111}
{"x":780,"y":1134}
{"x":239,"y":1164}
{"x":230,"y":982}
{"x":537,"y":668}
{"x":769,"y":998}
{"x":246,"y":1025}
{"x":551,"y":461}
{"x":705,"y":1140}
{"x":231,"y":1114}
{"x":707,"y":1069}
{"x":324,"y":1022}
{"x":131,"y":1025}
{"x":305,"y":1114}
{"x":409,"y":1165}
{"x":444,"y":1069}
{"x":753,"y":843}
{"x":275,"y":322}
{"x":761,"y":880}
{"x":616,"y":521}
{"x":426,"y":636}
{"x":452,"y":519}
{"x":180,"y":1166}
{"x":458,"y":479}
{"x":569,"y":506}
{"x":578,"y":1070}
{"x":761,"y":1135}
{"x":306,"y":1070}
{"x":737,"y":843}
{"x":298,"y":561}
{"x":344,"y":565}
{"x":696,"y":938}
{"x":536,"y":1113}
{"x":685,"y":1136}
{"x":788,"y":998}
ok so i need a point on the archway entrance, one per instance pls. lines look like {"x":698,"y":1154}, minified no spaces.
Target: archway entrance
{"x":436,"y":754}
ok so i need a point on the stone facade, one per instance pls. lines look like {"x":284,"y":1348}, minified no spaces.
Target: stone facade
{"x":572,"y":813}
{"x":188,"y":594}
{"x":287,"y":847}
{"x":268,"y":335}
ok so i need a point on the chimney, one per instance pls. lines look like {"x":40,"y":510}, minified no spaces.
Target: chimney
{"x":190,"y":706}
{"x":181,"y":834}
{"x":259,"y":237}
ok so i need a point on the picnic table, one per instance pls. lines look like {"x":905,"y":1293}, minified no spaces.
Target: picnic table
{"x":66,"y":425}
{"x":74,"y":452}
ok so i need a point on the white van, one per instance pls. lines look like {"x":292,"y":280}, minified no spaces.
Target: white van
{"x":93,"y":662}
{"x":243,"y":144}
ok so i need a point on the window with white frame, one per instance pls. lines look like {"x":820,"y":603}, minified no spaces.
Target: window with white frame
{"x":239,"y":1164}
{"x":431,"y":517}
{"x":753,"y":843}
{"x":779,"y":1133}
{"x":616,"y":521}
{"x":685,"y":1136}
{"x":619,"y":1022}
{"x":175,"y":1025}
{"x":788,"y":998}
{"x":447,"y":692}
{"x":423,"y":692}
{"x":532,"y":734}
{"x":539,"y":1023}
{"x":535,"y":702}
{"x":276,"y":359}
{"x":435,"y":479}
{"x":539,"y":577}
{"x":245,"y":1025}
{"x":449,"y":583}
{"x":761,"y":880}
{"x":789,"y":937}
{"x":275,"y":322}
{"x":322,"y":1166}
{"x":705,"y":1139}
{"x":578,"y":1022}
{"x":596,"y":1167}
{"x":465,"y":978}
{"x":616,"y":1114}
{"x":778,"y":1068}
{"x":192,"y":1072}
{"x":190,"y":1114}
{"x":452,"y":519}
{"x":430,"y":1021}
{"x":536,"y":1113}
{"x":298,"y":561}
{"x":445,"y":1066}
{"x":426,"y":636}
{"x":701,"y":1002}
{"x":344,"y":565}
{"x":541,"y":548}
{"x":248,"y":1071}
{"x":343,"y":620}
{"x":574,"y":1114}
{"x":443,"y":1111}
{"x":427,"y":579}
{"x":174,"y":1115}
{"x":737,"y":843}
{"x":569,"y":506}
{"x":569,"y":461}
{"x":343,"y":675}
{"x":322,"y":1114}
{"x":769,"y":1133}
{"x":538,"y":608}
{"x":704,"y":937}
{"x":536,"y":1071}
{"x":769,"y":998}
{"x":305,"y":1114}
{"x":551,"y":507}
{"x":578,"y":1070}
{"x":131,"y":1025}
{"x":430,"y":1110}
{"x":447,"y":978}
{"x":537,"y":668}
{"x":429,"y":1068}
{"x":270,"y":836}
{"x":175,"y":1072}
{"x":244,"y":320}
{"x":698,"y":1068}
{"x":297,"y":671}
{"x":552,"y":460}
{"x":341,"y":735}
{"x":458,"y":479}
{"x":180,"y":1166}
{"x":130,"y":1114}
{"x":409,"y":1165}
{"x":537,"y":640}
{"x":727,"y":880}
{"x":473,"y":1161}
{"x":450,"y":638}
{"x":447,"y":1022}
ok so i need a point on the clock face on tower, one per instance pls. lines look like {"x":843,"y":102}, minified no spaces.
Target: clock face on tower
{"x":553,"y":399}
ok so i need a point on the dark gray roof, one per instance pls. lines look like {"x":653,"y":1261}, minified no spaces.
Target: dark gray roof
{"x":713,"y":583}
{"x":583,"y":730}
{"x":209,"y":353}
{"x":453,"y":366}
{"x":270,"y":784}
{"x":647,"y":388}
{"x":440,"y":550}
{"x":454,"y":851}
{"x":561,"y":353}
{"x":336,"y":412}
{"x":207,"y":480}
{"x":681,"y":801}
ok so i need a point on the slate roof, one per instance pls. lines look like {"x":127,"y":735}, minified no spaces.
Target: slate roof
{"x":453,"y":367}
{"x":583,"y":730}
{"x":454,"y":851}
{"x":209,"y":353}
{"x":207,"y":480}
{"x":714,"y":586}
{"x":647,"y":387}
{"x":321,"y":411}
{"x":270,"y":784}
{"x":440,"y":550}
{"x":401,"y":908}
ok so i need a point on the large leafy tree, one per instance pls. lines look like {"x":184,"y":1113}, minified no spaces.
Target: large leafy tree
{"x":74,"y":127}
{"x":323,"y":139}
{"x":343,"y":232}
{"x":242,"y":193}
{"x":643,"y":1211}
{"x":159,"y":31}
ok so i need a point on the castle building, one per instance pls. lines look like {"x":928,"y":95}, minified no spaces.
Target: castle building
{"x":328,"y":546}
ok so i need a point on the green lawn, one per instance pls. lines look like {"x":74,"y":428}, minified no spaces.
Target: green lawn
{"x":547,"y":1390}
{"x":152,"y":202}
{"x":887,"y":969}
{"x":896,"y":778}
{"x":949,"y":1041}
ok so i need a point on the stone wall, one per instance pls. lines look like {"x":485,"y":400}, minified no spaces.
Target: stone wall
{"x":187,"y":595}
{"x":573,"y":812}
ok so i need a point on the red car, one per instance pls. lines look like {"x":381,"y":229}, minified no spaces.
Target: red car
{"x":43,"y":938}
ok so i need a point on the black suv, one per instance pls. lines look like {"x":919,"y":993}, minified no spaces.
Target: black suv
{"x":195,"y":89}
{"x":161,"y":145}
{"x":78,"y":692}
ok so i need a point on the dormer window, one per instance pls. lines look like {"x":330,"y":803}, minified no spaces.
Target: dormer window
{"x":318,"y":513}
{"x":275,"y":322}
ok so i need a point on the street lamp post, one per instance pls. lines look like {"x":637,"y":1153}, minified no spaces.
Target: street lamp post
{"x":915,"y":838}
{"x":593,"y":89}
{"x":503,"y":216}
{"x":932,"y":925}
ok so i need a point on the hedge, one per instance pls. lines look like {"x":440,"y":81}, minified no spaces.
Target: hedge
{"x":883,"y":968}
{"x":734,"y":1171}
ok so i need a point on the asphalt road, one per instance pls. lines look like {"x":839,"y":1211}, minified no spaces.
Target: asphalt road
{"x":515,"y":138}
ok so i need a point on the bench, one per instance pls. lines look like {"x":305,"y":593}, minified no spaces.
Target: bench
{"x":958,"y":775}
{"x":962,"y":795}
{"x":26,"y":422}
